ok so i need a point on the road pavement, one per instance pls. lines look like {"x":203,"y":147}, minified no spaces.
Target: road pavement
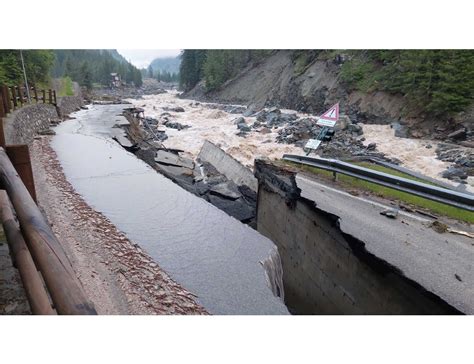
{"x":442,"y":263}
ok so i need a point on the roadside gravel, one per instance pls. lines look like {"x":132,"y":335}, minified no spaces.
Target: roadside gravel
{"x":117,"y":275}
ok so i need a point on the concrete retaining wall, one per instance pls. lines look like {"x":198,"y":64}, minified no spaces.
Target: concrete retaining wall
{"x":324,"y":270}
{"x":23,"y":124}
{"x":227,"y":165}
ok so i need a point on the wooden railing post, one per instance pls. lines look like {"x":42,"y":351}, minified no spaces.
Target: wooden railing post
{"x":55,"y":99}
{"x":15,"y":103}
{"x":44,"y":96}
{"x":35,"y":93}
{"x":6,"y":95}
{"x":2,"y":106}
{"x":5,"y":99}
{"x":20,"y":158}
{"x":20,"y":95}
{"x":49,"y":256}
{"x":32,"y":282}
{"x":50,"y":96}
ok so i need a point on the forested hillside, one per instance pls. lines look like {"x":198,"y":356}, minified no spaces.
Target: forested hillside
{"x":215,"y":66}
{"x":439,"y":81}
{"x":37,"y":65}
{"x":84,"y":66}
{"x":433,"y":82}
{"x":94,"y":66}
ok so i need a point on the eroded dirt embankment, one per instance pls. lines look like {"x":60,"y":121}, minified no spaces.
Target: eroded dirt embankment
{"x":117,"y":275}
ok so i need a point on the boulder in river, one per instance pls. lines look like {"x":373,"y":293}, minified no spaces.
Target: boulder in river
{"x":458,"y":134}
{"x":175,"y":108}
{"x":244,"y":128}
{"x":239,"y":120}
{"x":175,"y":125}
{"x":355,"y":128}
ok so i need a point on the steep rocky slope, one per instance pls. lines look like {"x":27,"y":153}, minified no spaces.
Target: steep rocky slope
{"x":312,"y":85}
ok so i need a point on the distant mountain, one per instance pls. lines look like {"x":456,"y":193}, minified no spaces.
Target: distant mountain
{"x":168,"y":64}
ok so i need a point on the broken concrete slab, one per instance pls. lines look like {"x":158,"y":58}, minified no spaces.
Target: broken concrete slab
{"x":172,"y":159}
{"x":238,"y":209}
{"x":227,"y":190}
{"x":122,"y":140}
{"x":176,"y":170}
{"x":227,"y":165}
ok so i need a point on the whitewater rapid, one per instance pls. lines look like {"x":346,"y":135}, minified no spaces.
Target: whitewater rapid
{"x":217,"y":126}
{"x":213,"y":125}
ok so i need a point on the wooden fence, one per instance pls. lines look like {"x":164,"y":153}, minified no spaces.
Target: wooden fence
{"x":13,"y":97}
{"x":35,"y":250}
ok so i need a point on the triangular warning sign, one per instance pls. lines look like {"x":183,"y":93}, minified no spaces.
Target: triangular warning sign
{"x":332,"y":113}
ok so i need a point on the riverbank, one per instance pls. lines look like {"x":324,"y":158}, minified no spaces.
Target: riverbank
{"x":245,"y":135}
{"x":117,"y":275}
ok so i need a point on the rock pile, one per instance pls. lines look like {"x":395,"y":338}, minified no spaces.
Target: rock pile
{"x":299,"y":131}
{"x":462,"y":157}
{"x":242,"y":126}
{"x":274,"y":117}
{"x":175,"y":125}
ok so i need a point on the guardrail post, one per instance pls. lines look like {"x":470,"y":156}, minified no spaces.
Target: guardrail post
{"x":43,"y":96}
{"x":20,"y":158}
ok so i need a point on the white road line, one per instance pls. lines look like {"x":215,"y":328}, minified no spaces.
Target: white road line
{"x":421,"y":219}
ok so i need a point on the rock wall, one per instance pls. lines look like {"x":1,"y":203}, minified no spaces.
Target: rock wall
{"x":325,"y":271}
{"x":22,"y":125}
{"x":69,"y":104}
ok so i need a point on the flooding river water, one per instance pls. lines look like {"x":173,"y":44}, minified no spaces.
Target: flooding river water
{"x":208,"y":252}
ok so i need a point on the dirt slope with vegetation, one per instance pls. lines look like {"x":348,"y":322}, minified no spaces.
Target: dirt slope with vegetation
{"x":422,"y":93}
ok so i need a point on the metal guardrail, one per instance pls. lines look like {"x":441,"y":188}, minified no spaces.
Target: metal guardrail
{"x":434,"y":193}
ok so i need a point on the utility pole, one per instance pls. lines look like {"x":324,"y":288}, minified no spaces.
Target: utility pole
{"x":26,"y":79}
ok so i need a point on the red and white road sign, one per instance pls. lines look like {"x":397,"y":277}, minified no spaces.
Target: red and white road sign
{"x":332,"y":113}
{"x":330,"y":117}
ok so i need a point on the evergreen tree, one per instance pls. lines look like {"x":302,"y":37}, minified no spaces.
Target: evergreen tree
{"x":37,"y":66}
{"x":86,"y":76}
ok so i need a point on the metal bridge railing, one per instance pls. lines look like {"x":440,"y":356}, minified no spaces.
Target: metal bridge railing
{"x":439,"y":194}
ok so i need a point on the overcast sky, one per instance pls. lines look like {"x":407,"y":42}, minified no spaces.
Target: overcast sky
{"x":141,"y":58}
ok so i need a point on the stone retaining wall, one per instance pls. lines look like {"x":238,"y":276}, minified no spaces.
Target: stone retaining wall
{"x":23,"y":124}
{"x":69,"y":104}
